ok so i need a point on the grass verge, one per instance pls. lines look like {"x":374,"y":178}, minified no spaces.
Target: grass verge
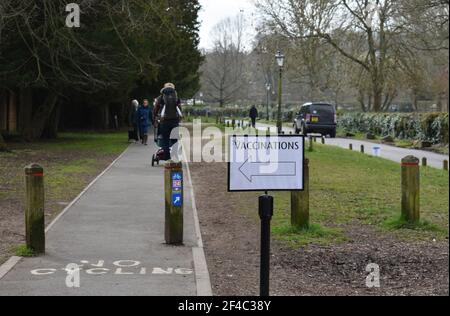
{"x":24,"y":251}
{"x":350,"y":190}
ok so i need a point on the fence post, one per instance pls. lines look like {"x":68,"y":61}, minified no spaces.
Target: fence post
{"x":424,"y":162}
{"x":445,"y":165}
{"x":311,"y":145}
{"x":174,"y":200}
{"x":323,"y":140}
{"x":350,"y":146}
{"x":410,"y":189}
{"x":300,"y":203}
{"x":34,"y":208}
{"x":363,"y":150}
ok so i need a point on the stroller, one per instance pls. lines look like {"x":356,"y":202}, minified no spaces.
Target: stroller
{"x":158,"y":138}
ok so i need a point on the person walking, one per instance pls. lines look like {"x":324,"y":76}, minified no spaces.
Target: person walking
{"x":144,"y":115}
{"x":168,"y":108}
{"x":133,"y":126}
{"x":253,"y":115}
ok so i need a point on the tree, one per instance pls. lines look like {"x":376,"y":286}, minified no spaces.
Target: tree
{"x":224,"y":68}
{"x":121,"y":46}
{"x":372,"y":35}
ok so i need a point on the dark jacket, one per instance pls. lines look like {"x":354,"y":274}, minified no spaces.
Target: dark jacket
{"x":132,"y":116}
{"x":144,"y":116}
{"x":253,"y":112}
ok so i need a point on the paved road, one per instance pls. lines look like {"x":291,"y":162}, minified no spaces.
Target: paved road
{"x":388,"y":152}
{"x":115,"y":231}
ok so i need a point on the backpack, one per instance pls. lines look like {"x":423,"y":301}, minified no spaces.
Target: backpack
{"x":170,"y":98}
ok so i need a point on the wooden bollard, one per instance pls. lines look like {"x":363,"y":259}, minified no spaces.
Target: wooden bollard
{"x":350,"y":146}
{"x":445,"y":165}
{"x":362,"y":149}
{"x":174,"y":200}
{"x":34,"y":209}
{"x":315,"y":139}
{"x":300,"y":203}
{"x":424,"y":162}
{"x":410,"y":189}
{"x":311,"y":145}
{"x":323,"y":140}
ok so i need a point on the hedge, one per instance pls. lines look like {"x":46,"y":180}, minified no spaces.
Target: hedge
{"x":432,"y":127}
{"x":287,"y":115}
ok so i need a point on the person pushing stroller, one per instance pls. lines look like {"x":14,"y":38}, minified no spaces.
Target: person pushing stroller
{"x":167,"y":111}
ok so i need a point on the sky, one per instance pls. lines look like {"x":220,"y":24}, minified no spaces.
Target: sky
{"x":213,"y":11}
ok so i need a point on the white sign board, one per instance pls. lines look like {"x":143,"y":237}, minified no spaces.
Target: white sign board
{"x":266,"y":163}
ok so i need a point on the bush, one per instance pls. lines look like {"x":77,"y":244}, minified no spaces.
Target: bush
{"x":239,"y":112}
{"x":216,"y":111}
{"x":431,"y":127}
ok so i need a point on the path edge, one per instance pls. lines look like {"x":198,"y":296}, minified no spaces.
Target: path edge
{"x":202,"y":277}
{"x":6,"y":267}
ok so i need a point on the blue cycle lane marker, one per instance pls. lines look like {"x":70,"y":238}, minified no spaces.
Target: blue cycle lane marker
{"x":177,"y":189}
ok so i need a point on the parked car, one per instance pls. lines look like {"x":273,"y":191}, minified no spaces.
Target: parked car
{"x":317,"y":118}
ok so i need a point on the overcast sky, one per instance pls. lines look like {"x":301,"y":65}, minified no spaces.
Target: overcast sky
{"x":214,"y":11}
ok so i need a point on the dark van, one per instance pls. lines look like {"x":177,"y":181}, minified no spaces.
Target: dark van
{"x":317,"y":118}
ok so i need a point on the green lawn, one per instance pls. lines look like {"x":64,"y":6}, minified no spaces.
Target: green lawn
{"x":349,"y":188}
{"x":102,"y":143}
{"x":70,"y":160}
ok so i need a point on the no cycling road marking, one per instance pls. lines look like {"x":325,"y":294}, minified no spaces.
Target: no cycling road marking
{"x":120,"y":267}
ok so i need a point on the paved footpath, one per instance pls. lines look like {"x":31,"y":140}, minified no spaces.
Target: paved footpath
{"x":387,"y":152}
{"x":115,"y":232}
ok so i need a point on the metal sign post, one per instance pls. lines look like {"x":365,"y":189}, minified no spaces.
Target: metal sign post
{"x":265,"y":214}
{"x":266,"y":163}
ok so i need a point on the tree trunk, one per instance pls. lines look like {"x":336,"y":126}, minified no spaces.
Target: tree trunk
{"x":35,"y":130}
{"x":25,"y":108}
{"x":51,"y":128}
{"x":105,"y":117}
{"x":415,"y":100}
{"x":377,"y":100}
{"x":3,"y":146}
{"x":361,"y":99}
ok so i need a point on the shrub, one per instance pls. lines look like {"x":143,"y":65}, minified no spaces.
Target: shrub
{"x":432,"y":127}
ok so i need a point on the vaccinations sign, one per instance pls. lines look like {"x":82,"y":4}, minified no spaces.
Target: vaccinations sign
{"x":266,"y":163}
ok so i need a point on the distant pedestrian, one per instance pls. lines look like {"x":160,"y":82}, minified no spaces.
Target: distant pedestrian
{"x":144,"y":115}
{"x":133,"y":126}
{"x":253,"y":115}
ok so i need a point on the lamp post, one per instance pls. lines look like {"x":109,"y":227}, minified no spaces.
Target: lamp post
{"x":268,"y":88}
{"x":280,"y":61}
